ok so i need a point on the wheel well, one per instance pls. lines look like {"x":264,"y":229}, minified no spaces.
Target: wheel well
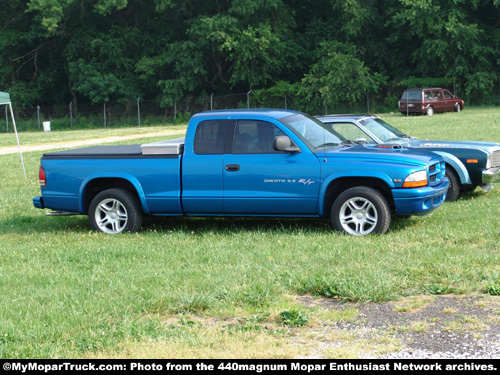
{"x":94,"y":187}
{"x":450,"y":168}
{"x":340,"y":185}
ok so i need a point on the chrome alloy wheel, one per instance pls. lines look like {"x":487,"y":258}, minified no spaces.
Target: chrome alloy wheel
{"x":358,"y":216}
{"x":111,"y":216}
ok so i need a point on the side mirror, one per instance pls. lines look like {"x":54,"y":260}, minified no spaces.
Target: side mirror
{"x":361,"y":140}
{"x":284,"y":143}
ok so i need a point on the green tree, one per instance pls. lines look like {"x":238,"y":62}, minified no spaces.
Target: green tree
{"x":338,"y":78}
{"x":444,"y":39}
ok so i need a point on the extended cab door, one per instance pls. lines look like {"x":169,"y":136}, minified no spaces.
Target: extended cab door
{"x":260,"y":180}
{"x":202,"y":184}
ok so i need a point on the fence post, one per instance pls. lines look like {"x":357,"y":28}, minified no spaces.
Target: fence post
{"x":175,"y":109}
{"x":7,"y":118}
{"x":248,"y":98}
{"x":71,"y":114}
{"x":138,"y":111}
{"x":285,"y":103}
{"x":38,"y":114}
{"x":104,"y":114}
{"x":212,"y":102}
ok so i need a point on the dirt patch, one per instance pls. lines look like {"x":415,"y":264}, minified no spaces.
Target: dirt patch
{"x":425,"y":326}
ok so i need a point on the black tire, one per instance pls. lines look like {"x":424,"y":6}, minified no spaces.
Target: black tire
{"x":429,"y":111}
{"x":115,"y":211}
{"x":359,"y":211}
{"x":457,"y":107}
{"x":454,"y":189}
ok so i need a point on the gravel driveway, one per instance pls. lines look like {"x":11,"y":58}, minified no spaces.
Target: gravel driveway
{"x":455,"y":327}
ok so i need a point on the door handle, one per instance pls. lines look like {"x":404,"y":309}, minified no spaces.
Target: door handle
{"x":232,"y":167}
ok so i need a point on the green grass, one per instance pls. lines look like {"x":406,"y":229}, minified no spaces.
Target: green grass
{"x":66,"y":291}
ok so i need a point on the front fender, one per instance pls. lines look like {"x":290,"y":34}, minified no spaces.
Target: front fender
{"x":384,"y":178}
{"x":457,"y":165}
{"x":123,"y":176}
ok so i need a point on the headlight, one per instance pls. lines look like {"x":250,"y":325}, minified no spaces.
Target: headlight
{"x":416,"y":179}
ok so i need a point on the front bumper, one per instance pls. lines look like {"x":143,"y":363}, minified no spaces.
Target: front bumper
{"x":421,"y":201}
{"x":491,"y":175}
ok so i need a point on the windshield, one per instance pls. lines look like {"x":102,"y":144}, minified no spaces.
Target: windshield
{"x":312,"y":132}
{"x":382,"y":130}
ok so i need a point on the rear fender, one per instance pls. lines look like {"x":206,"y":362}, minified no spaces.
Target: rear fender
{"x":115,"y":176}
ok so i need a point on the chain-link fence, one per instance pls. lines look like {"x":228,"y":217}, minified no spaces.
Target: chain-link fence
{"x":137,"y":113}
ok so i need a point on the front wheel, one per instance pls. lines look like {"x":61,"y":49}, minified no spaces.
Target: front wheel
{"x":454,"y":189}
{"x":115,"y":211}
{"x":361,"y":210}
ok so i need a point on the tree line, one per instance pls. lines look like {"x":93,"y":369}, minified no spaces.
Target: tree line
{"x":319,"y":52}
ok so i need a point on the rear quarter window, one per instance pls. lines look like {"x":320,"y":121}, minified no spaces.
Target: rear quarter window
{"x":210,"y":137}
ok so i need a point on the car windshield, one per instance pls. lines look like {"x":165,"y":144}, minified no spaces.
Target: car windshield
{"x":382,"y":130}
{"x":312,"y":132}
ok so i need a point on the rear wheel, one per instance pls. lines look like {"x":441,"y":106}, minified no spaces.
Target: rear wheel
{"x":429,"y":111}
{"x":115,"y":211}
{"x":361,"y":210}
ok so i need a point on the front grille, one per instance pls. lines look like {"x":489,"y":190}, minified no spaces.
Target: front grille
{"x":495,"y":159}
{"x":436,"y":173}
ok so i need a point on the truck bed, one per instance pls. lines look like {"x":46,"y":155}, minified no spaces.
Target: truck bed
{"x":97,"y":151}
{"x":172,"y":148}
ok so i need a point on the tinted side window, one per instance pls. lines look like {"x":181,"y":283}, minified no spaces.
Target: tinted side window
{"x":210,"y":136}
{"x":437,"y":95}
{"x":255,"y":137}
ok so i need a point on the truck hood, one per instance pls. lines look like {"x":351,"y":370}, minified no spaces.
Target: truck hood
{"x":387,"y":153}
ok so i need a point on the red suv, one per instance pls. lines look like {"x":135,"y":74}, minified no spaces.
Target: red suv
{"x":428,"y":101}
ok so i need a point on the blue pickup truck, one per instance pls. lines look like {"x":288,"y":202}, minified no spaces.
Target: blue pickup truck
{"x":278,"y":163}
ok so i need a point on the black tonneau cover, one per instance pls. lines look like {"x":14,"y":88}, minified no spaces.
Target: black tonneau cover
{"x":100,"y":151}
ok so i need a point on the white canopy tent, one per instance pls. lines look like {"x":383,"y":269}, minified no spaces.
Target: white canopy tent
{"x":5,"y":100}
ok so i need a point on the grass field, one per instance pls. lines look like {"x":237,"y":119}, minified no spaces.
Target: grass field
{"x":211,"y":288}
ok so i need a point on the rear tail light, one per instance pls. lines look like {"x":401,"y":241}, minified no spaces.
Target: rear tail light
{"x":41,"y":177}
